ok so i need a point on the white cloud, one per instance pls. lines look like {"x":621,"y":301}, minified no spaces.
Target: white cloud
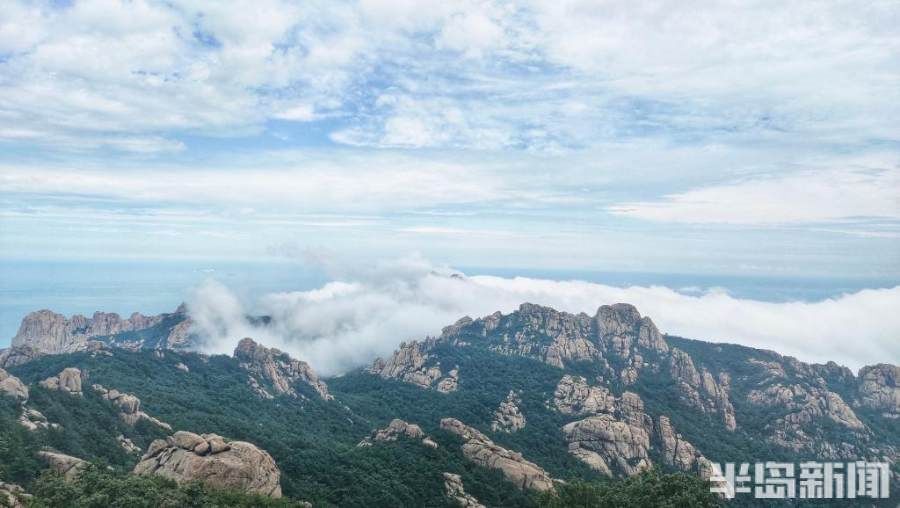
{"x":332,"y":185}
{"x":98,"y":67}
{"x":364,"y":314}
{"x":804,"y":197}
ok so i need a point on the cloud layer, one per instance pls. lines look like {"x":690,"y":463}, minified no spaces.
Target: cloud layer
{"x":348,"y":322}
{"x":138,"y":75}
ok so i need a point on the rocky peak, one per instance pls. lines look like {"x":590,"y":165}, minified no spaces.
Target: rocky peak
{"x":559,"y":338}
{"x":48,"y":332}
{"x":411,"y":363}
{"x":278,"y":368}
{"x":209,"y":459}
{"x":621,"y":327}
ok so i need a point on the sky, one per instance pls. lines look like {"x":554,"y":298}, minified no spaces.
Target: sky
{"x":752,"y":138}
{"x":749,"y":139}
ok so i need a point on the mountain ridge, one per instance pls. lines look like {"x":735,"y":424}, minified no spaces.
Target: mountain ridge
{"x":562,"y":396}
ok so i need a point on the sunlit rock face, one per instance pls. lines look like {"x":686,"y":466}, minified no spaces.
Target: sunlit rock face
{"x":47,"y":332}
{"x":209,"y":459}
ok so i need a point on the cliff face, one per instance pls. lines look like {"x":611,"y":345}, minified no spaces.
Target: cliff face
{"x":46,"y":332}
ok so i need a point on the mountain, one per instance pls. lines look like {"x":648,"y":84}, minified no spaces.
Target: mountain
{"x":515,"y":409}
{"x":46,"y":332}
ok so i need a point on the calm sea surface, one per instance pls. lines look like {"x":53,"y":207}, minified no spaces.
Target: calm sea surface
{"x":159,"y":286}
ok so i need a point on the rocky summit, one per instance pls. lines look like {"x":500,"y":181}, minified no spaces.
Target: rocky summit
{"x":513,"y":409}
{"x":46,"y":332}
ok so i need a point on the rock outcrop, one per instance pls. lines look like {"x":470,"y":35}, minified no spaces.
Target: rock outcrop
{"x":508,"y":417}
{"x":408,"y":364}
{"x":678,"y":452}
{"x":620,"y":440}
{"x":808,"y":406}
{"x":482,"y":451}
{"x":69,"y":380}
{"x":277,"y":369}
{"x":129,"y":405}
{"x":411,"y":364}
{"x":47,"y":332}
{"x":450,"y":383}
{"x":127,"y":444}
{"x":453,"y":489}
{"x":17,"y":355}
{"x":187,"y":457}
{"x":573,"y":396}
{"x":879,"y":389}
{"x":568,"y":336}
{"x":397,"y":429}
{"x":11,"y":386}
{"x":33,"y":420}
{"x":700,"y":389}
{"x":66,"y":465}
{"x":13,"y":496}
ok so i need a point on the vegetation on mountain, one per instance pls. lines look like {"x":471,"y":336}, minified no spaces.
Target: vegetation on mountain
{"x":312,"y":431}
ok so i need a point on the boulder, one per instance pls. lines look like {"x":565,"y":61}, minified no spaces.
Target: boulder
{"x":11,"y":386}
{"x":33,"y":420}
{"x":395,"y":430}
{"x":68,"y":380}
{"x":482,"y":451}
{"x":129,"y":405}
{"x":209,"y":459}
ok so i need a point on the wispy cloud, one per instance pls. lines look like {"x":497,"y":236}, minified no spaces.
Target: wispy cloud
{"x":366,"y":313}
{"x":602,"y":125}
{"x":821,"y":196}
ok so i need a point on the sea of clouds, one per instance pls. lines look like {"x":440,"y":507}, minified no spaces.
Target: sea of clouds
{"x":367,"y":313}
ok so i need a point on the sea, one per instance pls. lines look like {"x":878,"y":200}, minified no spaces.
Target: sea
{"x":152,"y":287}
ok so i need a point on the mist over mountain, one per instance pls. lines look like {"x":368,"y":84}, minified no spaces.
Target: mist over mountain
{"x":345,"y":323}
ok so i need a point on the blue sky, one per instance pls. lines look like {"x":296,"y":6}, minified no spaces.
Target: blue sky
{"x":753,"y":138}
